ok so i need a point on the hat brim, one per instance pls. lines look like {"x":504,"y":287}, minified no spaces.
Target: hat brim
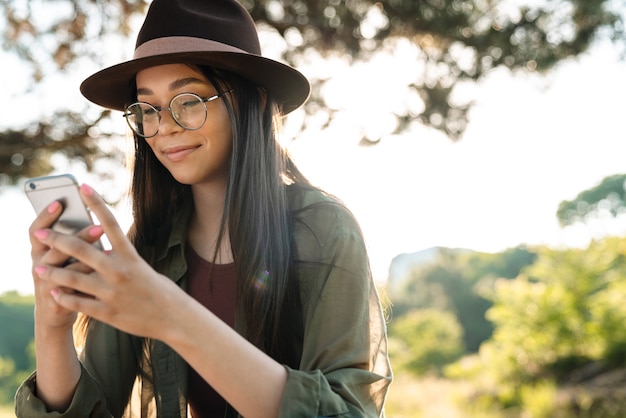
{"x":112,"y":87}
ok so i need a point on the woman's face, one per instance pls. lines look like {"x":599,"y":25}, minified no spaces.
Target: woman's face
{"x":192,"y":156}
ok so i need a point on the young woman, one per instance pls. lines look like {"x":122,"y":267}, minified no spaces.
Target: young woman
{"x":240,"y":289}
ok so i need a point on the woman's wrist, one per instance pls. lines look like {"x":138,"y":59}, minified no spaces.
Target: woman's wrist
{"x":58,"y":368}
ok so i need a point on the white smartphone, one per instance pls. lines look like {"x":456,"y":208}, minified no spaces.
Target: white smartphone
{"x":42,"y":191}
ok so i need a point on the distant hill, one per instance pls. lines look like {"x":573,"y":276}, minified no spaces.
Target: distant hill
{"x":402,"y":265}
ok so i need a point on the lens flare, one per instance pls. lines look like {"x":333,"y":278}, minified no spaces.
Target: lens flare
{"x":262,"y":281}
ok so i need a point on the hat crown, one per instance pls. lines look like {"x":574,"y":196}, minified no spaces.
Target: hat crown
{"x":215,"y":33}
{"x":224,"y":21}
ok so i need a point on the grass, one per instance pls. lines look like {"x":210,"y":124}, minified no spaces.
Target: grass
{"x":427,"y":397}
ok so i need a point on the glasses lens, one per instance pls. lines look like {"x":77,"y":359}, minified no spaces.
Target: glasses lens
{"x":189,"y":111}
{"x":143,"y":119}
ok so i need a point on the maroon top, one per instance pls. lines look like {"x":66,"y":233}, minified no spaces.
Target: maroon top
{"x":214,"y":286}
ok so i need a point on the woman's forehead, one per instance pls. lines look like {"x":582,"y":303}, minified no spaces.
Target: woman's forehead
{"x":171,"y":77}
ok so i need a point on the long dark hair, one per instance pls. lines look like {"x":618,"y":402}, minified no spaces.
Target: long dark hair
{"x":256,"y":215}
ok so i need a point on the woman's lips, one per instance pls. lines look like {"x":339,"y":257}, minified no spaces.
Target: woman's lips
{"x":176,"y":154}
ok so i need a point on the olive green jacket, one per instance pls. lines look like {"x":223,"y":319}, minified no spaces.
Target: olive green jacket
{"x":344,"y":369}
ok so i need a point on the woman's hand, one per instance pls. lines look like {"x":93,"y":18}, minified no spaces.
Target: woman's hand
{"x":48,"y":313}
{"x":116,"y":287}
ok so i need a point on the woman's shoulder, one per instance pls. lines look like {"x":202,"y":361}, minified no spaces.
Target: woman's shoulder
{"x":312,"y":205}
{"x":300,"y":196}
{"x":319,"y":220}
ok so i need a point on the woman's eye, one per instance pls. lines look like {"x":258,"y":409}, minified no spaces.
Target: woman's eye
{"x":191,"y":103}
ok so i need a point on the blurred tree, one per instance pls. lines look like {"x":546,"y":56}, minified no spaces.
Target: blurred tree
{"x":17,"y":357}
{"x":607,"y":197}
{"x":460,"y":282}
{"x":559,"y":344}
{"x":445,"y":286}
{"x":456,"y":41}
{"x":425,"y":340}
{"x":566,"y":310}
{"x":7,"y":380}
{"x":16,"y":317}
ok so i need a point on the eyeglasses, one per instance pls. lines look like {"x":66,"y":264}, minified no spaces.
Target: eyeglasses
{"x":188,"y":110}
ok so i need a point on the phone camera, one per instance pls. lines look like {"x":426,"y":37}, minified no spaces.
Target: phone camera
{"x":32,"y":186}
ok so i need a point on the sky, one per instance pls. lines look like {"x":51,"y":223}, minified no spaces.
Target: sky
{"x":532,"y":142}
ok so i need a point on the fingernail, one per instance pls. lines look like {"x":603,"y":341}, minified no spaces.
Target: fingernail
{"x":53,"y":206}
{"x":95,"y":231}
{"x":54,"y":292}
{"x":87,"y":191}
{"x":40,"y":270}
{"x":41,"y":233}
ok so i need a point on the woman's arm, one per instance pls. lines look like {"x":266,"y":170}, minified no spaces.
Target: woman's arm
{"x":58,"y":369}
{"x":57,"y":364}
{"x":250,"y":380}
{"x":108,"y":370}
{"x":61,"y":383}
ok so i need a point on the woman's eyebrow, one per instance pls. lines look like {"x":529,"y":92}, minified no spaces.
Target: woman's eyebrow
{"x":174,"y":85}
{"x":182,"y":82}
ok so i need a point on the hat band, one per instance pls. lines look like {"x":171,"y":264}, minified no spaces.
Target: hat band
{"x":181,"y":44}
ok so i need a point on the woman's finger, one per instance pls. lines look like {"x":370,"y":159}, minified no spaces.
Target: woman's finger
{"x":79,"y":267}
{"x":71,"y":246}
{"x":44,"y":219}
{"x":114,"y":232}
{"x":90,"y":234}
{"x":70,"y":281}
{"x":77,"y":302}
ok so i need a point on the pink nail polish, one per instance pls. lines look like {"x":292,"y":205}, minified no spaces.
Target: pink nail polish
{"x":95,"y":231}
{"x":54,"y":292}
{"x":53,"y":206}
{"x":87,"y":191}
{"x":41,"y":234}
{"x":40,"y":270}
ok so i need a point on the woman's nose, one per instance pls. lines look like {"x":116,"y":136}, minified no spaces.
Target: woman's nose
{"x":167,"y":124}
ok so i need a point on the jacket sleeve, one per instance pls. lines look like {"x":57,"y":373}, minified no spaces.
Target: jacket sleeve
{"x":344,"y":369}
{"x":108,"y":369}
{"x":86,"y":402}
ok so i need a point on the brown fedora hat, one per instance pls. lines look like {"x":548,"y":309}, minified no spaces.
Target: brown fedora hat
{"x":217,"y":33}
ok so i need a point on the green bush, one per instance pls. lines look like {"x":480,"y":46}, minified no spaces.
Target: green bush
{"x":423,"y":341}
{"x":17,"y":358}
{"x":559,"y":320}
{"x":455,"y":282}
{"x":569,"y":309}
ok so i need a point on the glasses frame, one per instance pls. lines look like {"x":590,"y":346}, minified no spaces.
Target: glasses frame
{"x":159,"y":109}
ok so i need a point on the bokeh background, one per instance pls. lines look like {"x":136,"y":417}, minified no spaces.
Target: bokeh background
{"x":479,"y":144}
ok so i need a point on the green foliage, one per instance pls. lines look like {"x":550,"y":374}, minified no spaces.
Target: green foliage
{"x":607,"y":197}
{"x":507,"y":264}
{"x":571,"y":307}
{"x":423,"y":341}
{"x":539,"y":400}
{"x":7,"y":383}
{"x":459,"y":282}
{"x":455,"y":43}
{"x":17,"y":358}
{"x":566,"y":311}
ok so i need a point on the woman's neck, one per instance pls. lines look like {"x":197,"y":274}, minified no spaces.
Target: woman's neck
{"x":205,"y":223}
